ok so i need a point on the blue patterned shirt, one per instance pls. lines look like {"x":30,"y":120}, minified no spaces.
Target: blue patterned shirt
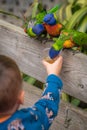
{"x":41,"y":115}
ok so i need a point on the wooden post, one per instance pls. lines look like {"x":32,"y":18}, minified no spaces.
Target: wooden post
{"x":27,"y":52}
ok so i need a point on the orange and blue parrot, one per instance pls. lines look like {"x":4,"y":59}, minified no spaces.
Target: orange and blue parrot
{"x":51,"y":25}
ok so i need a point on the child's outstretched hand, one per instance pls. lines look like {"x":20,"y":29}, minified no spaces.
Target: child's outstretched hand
{"x":55,"y":67}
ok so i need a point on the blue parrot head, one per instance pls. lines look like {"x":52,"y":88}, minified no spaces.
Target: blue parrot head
{"x":53,"y":53}
{"x":38,"y":29}
{"x":49,"y":19}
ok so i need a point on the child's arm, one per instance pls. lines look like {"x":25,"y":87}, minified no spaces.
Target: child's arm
{"x":47,"y":107}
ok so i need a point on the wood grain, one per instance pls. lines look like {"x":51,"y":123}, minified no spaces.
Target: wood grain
{"x":28,"y":53}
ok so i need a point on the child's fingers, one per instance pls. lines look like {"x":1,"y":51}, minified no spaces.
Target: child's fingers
{"x":45,"y":63}
{"x":55,"y":67}
{"x":59,"y":60}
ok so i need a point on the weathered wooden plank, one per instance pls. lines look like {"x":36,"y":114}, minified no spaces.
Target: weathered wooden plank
{"x":69,"y":117}
{"x":27,"y":52}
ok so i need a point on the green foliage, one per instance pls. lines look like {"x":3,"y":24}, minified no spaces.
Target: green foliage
{"x":65,"y":97}
{"x":32,"y":81}
{"x":70,"y":99}
{"x":75,"y":101}
{"x":74,"y":15}
{"x":29,"y":79}
{"x":75,"y":18}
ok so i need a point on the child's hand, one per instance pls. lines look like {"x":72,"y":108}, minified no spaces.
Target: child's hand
{"x":55,"y":67}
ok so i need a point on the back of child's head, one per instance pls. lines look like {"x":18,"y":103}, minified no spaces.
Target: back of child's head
{"x":10,"y":83}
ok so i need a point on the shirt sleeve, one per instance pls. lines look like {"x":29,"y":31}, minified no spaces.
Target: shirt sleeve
{"x":47,"y":106}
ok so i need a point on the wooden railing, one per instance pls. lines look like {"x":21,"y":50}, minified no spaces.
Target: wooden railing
{"x":27,"y":52}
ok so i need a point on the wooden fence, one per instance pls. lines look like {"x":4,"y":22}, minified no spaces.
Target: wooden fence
{"x":27,"y":52}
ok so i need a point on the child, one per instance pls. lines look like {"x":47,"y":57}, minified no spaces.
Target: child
{"x":42,"y":113}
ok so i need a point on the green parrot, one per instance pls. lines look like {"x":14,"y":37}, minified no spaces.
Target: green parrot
{"x":68,"y":39}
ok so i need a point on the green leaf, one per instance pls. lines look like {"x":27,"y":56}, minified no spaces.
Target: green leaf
{"x":76,"y":17}
{"x":54,"y":9}
{"x":35,"y":8}
{"x":83,"y":25}
{"x":31,"y":80}
{"x":65,"y":97}
{"x":61,"y":13}
{"x":68,"y":11}
{"x":75,"y":101}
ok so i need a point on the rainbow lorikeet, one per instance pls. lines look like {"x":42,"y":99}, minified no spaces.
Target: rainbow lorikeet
{"x":36,"y":30}
{"x":68,"y":39}
{"x":39,"y":26}
{"x":51,"y":25}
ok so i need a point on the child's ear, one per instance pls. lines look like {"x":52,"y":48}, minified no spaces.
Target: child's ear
{"x":21,"y":97}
